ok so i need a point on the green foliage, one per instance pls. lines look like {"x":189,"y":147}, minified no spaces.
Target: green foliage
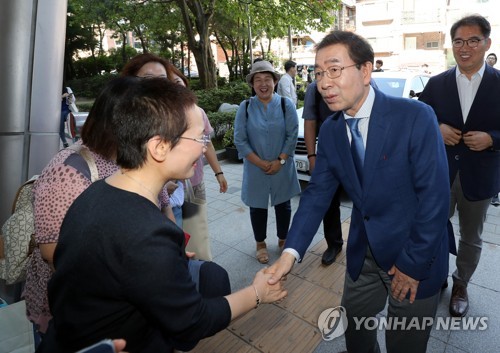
{"x":221,"y":122}
{"x":232,"y":93}
{"x":228,"y":140}
{"x":92,"y":66}
{"x":84,"y":107}
{"x":89,"y":87}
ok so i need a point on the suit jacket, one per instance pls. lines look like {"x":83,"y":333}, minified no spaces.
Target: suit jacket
{"x":401,"y":209}
{"x":479,"y":171}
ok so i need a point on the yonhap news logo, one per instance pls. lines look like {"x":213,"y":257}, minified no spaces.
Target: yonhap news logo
{"x":332,"y":323}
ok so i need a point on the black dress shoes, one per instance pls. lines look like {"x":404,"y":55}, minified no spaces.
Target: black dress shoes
{"x":459,"y":302}
{"x":330,"y":255}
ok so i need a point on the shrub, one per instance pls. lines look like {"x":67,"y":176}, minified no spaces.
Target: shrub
{"x":221,"y":122}
{"x":89,"y":87}
{"x":228,"y":140}
{"x":232,"y":93}
{"x":84,"y":107}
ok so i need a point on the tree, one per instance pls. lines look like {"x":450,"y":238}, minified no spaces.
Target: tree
{"x":163,"y":25}
{"x":197,"y":16}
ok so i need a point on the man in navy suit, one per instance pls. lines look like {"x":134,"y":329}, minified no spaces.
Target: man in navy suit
{"x":397,"y":249}
{"x":466,"y":102}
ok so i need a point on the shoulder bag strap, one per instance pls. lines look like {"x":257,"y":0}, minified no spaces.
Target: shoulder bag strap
{"x":87,"y":156}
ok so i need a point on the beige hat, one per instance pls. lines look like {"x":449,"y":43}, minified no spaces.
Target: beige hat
{"x":261,"y":66}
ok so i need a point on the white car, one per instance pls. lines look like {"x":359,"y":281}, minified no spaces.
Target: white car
{"x":405,"y":84}
{"x":301,"y":162}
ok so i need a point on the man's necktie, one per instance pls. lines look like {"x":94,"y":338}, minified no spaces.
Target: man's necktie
{"x":357,"y":147}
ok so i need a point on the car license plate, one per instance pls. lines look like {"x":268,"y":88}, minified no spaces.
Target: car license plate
{"x":303,"y":166}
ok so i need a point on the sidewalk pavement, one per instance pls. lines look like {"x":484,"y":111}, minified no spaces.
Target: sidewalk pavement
{"x":233,"y":247}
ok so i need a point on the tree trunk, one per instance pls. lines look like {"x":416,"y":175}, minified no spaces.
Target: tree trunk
{"x":201,"y":49}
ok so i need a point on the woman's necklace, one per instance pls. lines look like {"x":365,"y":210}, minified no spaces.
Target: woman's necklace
{"x":151,"y":193}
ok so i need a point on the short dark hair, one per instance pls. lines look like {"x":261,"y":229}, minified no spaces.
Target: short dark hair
{"x":289,"y":64}
{"x":379,"y":62}
{"x":134,"y":65}
{"x":472,"y":20}
{"x":492,"y":54}
{"x":97,"y":131}
{"x":358,"y":48}
{"x":148,"y":108}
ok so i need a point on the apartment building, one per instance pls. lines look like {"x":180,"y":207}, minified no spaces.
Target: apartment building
{"x":407,"y":34}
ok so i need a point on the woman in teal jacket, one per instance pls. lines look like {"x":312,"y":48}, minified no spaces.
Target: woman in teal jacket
{"x":265,"y":134}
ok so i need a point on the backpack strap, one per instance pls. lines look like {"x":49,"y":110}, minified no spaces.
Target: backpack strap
{"x":30,"y":181}
{"x":283,"y":107}
{"x":247,"y":103}
{"x":87,"y":156}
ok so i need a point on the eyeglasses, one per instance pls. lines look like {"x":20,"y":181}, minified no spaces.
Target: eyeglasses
{"x":332,"y":72}
{"x":204,"y":140}
{"x":153,"y":76}
{"x":471,"y":43}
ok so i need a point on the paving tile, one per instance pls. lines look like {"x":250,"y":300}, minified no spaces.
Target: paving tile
{"x":310,"y":284}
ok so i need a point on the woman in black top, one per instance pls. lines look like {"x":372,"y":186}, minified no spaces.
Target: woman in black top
{"x":121,"y":268}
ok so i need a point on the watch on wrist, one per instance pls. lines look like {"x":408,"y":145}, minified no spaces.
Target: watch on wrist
{"x":282,"y":161}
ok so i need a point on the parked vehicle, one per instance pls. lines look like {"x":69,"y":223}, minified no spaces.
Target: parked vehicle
{"x":405,"y":84}
{"x":80,"y":118}
{"x":301,"y":161}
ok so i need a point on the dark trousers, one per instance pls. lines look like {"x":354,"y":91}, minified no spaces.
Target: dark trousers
{"x":367,"y":296}
{"x":332,"y":227}
{"x":64,"y":116}
{"x":258,"y":217}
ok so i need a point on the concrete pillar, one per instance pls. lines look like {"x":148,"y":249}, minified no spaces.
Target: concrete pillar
{"x":32,"y":37}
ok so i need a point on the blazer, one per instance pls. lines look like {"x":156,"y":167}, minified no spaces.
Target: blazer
{"x":479,"y":171}
{"x":401,"y":209}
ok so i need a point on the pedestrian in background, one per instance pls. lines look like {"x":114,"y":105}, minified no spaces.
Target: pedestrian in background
{"x":491,"y":59}
{"x":465,"y":99}
{"x":67,"y":106}
{"x":286,"y":85}
{"x":194,"y":213}
{"x":265,"y":134}
{"x":378,"y":66}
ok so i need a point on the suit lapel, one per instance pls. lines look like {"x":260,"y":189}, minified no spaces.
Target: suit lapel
{"x":344,"y":148}
{"x":378,"y":130}
{"x":480,"y":101}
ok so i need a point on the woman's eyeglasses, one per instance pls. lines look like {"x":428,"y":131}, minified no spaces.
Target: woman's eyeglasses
{"x":204,"y":140}
{"x":153,"y":76}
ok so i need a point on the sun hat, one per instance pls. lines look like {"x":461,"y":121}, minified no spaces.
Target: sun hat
{"x":261,"y":66}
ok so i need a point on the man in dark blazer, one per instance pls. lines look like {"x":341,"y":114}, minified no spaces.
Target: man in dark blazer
{"x":397,"y":249}
{"x":467,"y":105}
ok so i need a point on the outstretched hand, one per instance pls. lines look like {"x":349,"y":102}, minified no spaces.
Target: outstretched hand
{"x":268,"y":293}
{"x":280,"y":268}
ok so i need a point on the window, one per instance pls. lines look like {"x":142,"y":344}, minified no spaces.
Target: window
{"x":432,"y":45}
{"x":410,"y":43}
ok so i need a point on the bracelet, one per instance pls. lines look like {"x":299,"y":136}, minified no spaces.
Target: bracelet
{"x":311,"y":155}
{"x":219,"y":173}
{"x":257,"y":300}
